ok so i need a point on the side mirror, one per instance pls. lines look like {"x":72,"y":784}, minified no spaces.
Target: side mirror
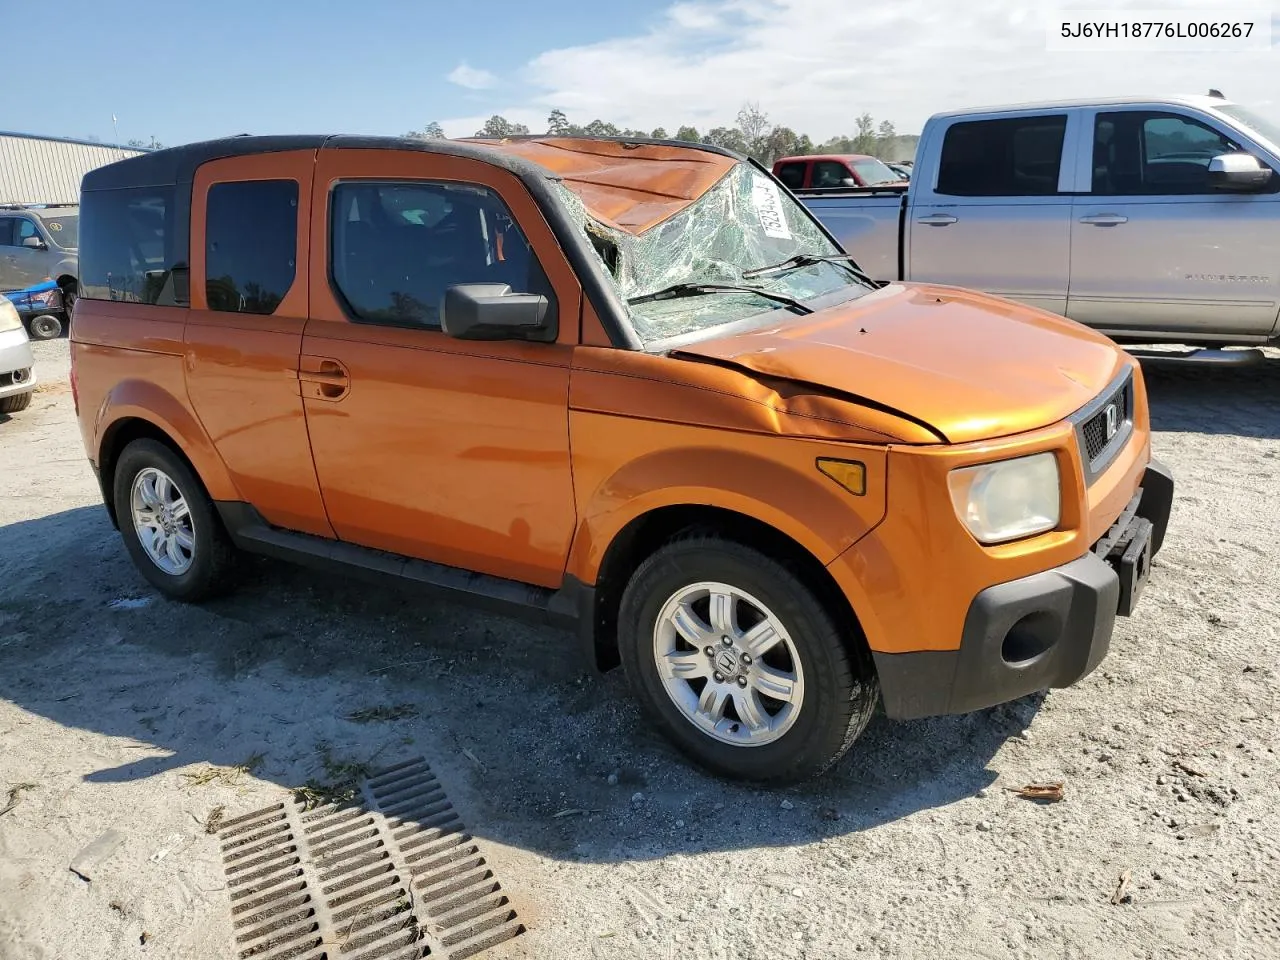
{"x":1238,"y":171}
{"x":34,"y":243}
{"x":490,"y":311}
{"x":848,"y":182}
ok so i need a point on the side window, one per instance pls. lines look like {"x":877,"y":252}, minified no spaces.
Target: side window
{"x":395,"y":248}
{"x":127,"y":246}
{"x":792,"y":174}
{"x":6,"y":231}
{"x":251,"y":244}
{"x":828,"y":173}
{"x":23,"y":229}
{"x":1017,"y":157}
{"x":1138,"y":153}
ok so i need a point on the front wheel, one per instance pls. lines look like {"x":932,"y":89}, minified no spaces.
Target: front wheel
{"x":741,"y":664}
{"x":45,"y":327}
{"x":16,"y":402}
{"x":168,"y":523}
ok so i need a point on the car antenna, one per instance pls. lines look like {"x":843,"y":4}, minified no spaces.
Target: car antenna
{"x":1217,"y":94}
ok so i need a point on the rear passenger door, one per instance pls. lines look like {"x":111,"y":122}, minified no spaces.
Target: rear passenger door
{"x":446,"y":450}
{"x":1155,"y":248}
{"x":250,"y":227}
{"x":994,"y":212}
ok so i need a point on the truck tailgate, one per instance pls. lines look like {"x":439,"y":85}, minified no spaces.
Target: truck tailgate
{"x":868,"y":227}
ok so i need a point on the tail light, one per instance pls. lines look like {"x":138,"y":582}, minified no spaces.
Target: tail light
{"x":75,"y":384}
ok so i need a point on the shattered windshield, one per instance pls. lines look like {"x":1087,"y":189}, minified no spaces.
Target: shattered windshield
{"x":742,"y":223}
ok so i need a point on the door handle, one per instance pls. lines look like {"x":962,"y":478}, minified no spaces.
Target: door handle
{"x":1105,"y":219}
{"x":937,"y":219}
{"x":321,"y":378}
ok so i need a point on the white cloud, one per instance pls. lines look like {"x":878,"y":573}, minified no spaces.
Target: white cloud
{"x":471,"y":78}
{"x":814,"y":65}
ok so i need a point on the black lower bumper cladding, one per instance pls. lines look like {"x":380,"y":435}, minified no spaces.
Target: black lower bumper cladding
{"x":1050,"y":629}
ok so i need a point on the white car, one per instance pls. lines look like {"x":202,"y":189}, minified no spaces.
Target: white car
{"x":17,"y":366}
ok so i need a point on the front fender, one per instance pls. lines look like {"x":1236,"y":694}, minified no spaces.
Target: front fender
{"x":66,"y":267}
{"x":786,"y":492}
{"x":149,"y":402}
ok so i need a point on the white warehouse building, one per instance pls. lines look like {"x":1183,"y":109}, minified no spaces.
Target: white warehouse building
{"x":47,"y":170}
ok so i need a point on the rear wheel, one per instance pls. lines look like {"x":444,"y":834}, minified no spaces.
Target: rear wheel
{"x":16,"y":403}
{"x":168,"y":523}
{"x":741,"y":664}
{"x":45,"y":327}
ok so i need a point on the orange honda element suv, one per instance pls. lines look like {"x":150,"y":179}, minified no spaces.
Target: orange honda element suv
{"x":631,"y":388}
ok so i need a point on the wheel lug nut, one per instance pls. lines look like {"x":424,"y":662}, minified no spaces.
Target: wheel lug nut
{"x":746,"y":659}
{"x":710,"y":651}
{"x":719,"y":677}
{"x":742,"y":681}
{"x":726,"y":641}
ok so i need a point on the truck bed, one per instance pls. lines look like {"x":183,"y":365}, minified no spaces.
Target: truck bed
{"x":867,"y":222}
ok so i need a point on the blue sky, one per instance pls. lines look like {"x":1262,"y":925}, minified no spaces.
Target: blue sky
{"x":180,"y":70}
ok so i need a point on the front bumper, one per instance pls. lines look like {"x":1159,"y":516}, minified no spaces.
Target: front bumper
{"x":17,"y":366}
{"x":1050,"y":629}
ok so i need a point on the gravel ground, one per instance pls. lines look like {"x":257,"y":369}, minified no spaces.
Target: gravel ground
{"x":111,"y":698}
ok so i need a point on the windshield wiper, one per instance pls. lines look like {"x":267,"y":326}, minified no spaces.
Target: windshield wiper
{"x":679,"y":290}
{"x":808,"y":260}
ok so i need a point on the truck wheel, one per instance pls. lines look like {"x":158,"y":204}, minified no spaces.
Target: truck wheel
{"x":742,"y":665}
{"x":16,"y":403}
{"x":45,"y":327}
{"x":168,"y":523}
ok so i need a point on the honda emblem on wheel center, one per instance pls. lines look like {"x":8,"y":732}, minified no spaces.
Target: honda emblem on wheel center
{"x":726,"y":661}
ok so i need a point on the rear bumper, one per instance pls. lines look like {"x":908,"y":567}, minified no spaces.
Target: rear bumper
{"x":17,"y":366}
{"x":1050,"y":629}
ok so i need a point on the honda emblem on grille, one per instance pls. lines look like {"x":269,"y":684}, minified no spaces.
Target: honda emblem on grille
{"x":1112,"y":420}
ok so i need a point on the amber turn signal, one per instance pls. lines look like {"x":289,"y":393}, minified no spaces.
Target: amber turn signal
{"x":850,"y":474}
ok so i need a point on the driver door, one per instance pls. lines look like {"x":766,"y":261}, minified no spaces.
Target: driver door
{"x":1156,"y":249}
{"x":447,"y":450}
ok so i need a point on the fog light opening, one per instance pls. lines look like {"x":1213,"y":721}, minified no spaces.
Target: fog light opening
{"x":1030,"y":637}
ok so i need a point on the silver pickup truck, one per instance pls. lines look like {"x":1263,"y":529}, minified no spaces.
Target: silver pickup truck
{"x":1153,"y":220}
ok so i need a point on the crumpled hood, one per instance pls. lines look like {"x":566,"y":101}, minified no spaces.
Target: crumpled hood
{"x":971,"y":366}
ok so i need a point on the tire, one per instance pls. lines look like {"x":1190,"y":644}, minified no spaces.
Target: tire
{"x":70,"y":293}
{"x":45,"y":327}
{"x":833,"y":693}
{"x":16,"y":403}
{"x":197,"y":560}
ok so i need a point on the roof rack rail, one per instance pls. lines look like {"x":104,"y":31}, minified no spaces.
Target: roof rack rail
{"x":35,"y":206}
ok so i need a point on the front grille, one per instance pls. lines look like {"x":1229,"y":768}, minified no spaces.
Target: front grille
{"x":1104,"y":426}
{"x":1095,"y":428}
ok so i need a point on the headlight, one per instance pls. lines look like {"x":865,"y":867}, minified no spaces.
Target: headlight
{"x":9,"y":318}
{"x":1009,"y":499}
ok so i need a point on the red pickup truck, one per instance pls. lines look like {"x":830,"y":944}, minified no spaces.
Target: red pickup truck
{"x":836,"y":170}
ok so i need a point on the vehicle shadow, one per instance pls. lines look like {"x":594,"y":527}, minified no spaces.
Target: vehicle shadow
{"x":1202,"y":398}
{"x":305,"y":672}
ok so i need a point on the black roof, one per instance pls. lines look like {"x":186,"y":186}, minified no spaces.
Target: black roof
{"x":178,"y":164}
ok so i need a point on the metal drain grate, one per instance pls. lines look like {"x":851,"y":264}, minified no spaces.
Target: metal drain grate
{"x":391,"y":875}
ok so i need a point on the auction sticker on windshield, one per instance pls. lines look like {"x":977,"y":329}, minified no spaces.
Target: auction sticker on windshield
{"x":768,"y":202}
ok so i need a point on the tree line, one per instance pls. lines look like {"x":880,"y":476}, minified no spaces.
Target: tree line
{"x":753,"y":134}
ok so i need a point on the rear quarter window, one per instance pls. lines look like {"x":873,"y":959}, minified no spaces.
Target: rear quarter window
{"x":127,"y":246}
